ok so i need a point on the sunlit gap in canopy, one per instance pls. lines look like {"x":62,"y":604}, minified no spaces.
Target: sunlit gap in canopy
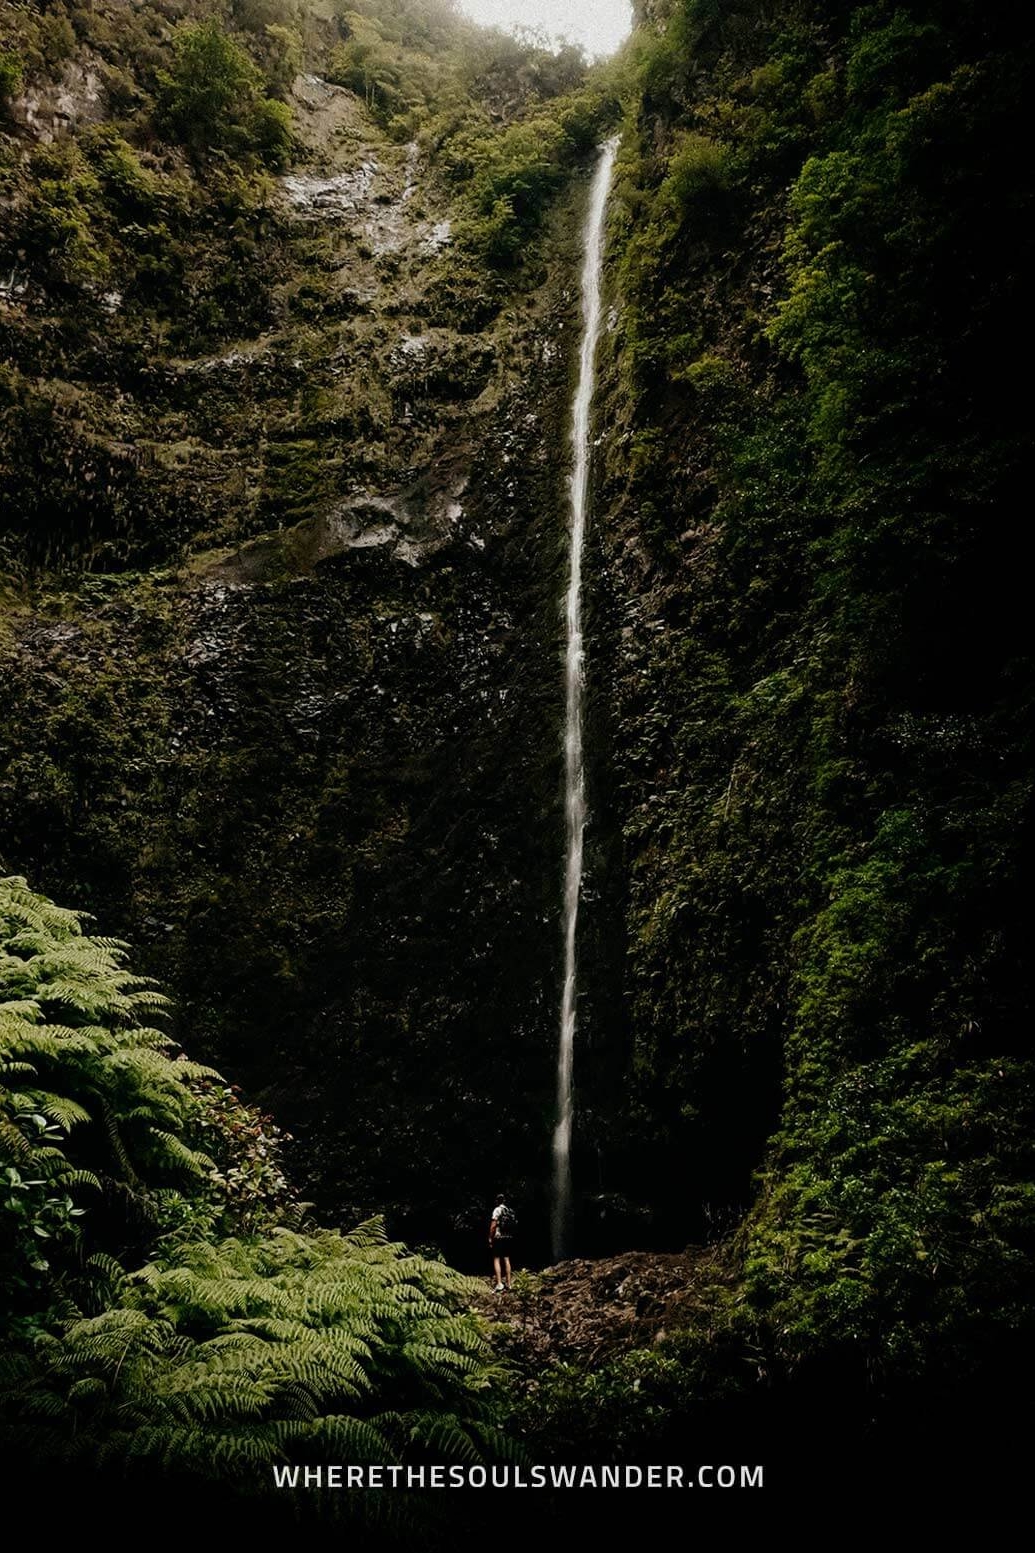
{"x":599,"y":25}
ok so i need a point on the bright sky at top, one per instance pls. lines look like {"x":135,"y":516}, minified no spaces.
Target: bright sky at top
{"x":599,"y":25}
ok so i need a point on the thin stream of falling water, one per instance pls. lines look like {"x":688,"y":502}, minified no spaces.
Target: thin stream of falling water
{"x":574,"y":763}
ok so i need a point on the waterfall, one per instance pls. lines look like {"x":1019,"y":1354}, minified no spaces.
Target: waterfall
{"x":574,"y":763}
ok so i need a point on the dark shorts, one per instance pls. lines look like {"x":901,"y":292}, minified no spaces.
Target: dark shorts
{"x":501,"y":1246}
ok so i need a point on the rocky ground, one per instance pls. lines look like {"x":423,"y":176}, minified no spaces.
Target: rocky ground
{"x":582,"y":1312}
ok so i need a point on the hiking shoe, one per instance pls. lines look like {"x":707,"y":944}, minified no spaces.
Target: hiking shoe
{"x":499,"y":1289}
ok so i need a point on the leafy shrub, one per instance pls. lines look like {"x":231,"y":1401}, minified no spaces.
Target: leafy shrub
{"x":56,"y":39}
{"x":245,"y":1148}
{"x":510,"y":176}
{"x":59,"y":230}
{"x":10,"y":76}
{"x":213,"y":97}
{"x":697,"y":166}
{"x":283,"y":57}
{"x":633,"y":1405}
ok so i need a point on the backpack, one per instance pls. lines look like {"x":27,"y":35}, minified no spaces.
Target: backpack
{"x":506,"y":1224}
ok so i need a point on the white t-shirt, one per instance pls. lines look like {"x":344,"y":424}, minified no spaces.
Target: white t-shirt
{"x":497,"y":1211}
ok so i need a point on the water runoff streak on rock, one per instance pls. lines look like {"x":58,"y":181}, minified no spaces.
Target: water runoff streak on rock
{"x":575,"y":776}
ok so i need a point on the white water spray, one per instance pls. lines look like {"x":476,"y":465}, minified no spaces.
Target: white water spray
{"x":574,"y":764}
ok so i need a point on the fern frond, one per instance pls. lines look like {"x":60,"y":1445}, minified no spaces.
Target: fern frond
{"x":344,"y":1438}
{"x":178,"y":1155}
{"x":60,"y":1109}
{"x":442,"y":1436}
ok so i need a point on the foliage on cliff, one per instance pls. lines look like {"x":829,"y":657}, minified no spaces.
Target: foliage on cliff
{"x":143,"y":226}
{"x":278,"y":553}
{"x":814,"y":469}
{"x":315,"y":767}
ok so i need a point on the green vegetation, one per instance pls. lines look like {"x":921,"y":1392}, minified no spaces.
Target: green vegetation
{"x":822,"y":756}
{"x":281,"y":505}
{"x":509,"y":178}
{"x":212,"y":96}
{"x":203,"y":384}
{"x":162,"y":1304}
{"x":421,"y":65}
{"x":11,"y":75}
{"x":141,"y":224}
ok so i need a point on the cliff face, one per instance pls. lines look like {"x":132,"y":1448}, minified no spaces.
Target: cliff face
{"x":284,"y":459}
{"x":279,"y":660}
{"x":813,"y":659}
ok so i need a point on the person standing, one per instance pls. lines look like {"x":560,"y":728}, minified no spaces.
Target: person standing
{"x":501,"y":1242}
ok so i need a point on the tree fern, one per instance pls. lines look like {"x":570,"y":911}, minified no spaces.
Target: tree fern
{"x":121,"y":1108}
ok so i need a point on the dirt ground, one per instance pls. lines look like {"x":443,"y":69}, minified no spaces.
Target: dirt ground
{"x":584,"y":1311}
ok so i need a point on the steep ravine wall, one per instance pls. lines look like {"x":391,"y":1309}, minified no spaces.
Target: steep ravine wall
{"x":811,"y":676}
{"x":295,"y":731}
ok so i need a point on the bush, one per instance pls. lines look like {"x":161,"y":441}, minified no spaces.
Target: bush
{"x":212,"y":98}
{"x":512,"y":175}
{"x":58,"y":231}
{"x":91,"y":1096}
{"x":10,"y":76}
{"x":698,"y":166}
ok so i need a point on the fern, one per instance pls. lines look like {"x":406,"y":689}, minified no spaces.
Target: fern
{"x":210,"y":1354}
{"x":191,"y":1368}
{"x":79,"y":1051}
